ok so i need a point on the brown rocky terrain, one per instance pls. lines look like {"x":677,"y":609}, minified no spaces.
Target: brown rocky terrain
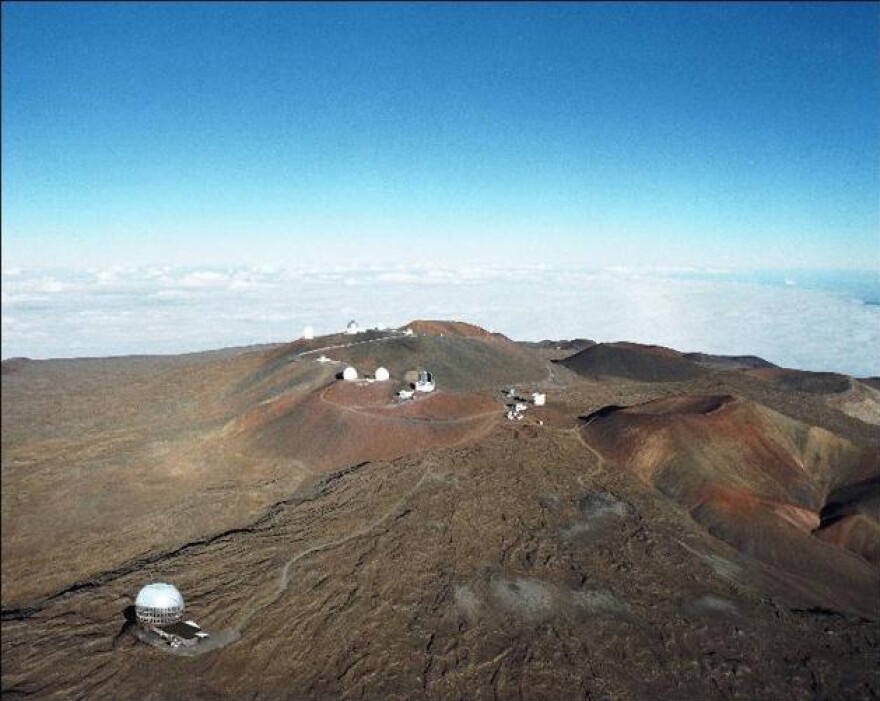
{"x":728,"y":362}
{"x":753,"y":478}
{"x":117,"y":458}
{"x":634,"y":362}
{"x":662,"y":528}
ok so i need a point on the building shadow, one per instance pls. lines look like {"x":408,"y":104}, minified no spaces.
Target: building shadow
{"x":601,"y":413}
{"x":129,"y":621}
{"x":129,"y":614}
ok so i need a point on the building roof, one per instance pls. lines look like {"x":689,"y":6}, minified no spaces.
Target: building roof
{"x":159,"y":595}
{"x":184,"y":631}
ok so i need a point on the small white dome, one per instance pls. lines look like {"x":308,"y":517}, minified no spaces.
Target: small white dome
{"x":349,"y":373}
{"x":308,"y":333}
{"x":382,"y":374}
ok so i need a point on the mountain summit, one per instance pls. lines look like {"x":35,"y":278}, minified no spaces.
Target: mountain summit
{"x":665,"y":525}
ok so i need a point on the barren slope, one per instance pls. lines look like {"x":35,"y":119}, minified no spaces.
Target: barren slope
{"x":707,"y":534}
{"x":458,"y":363}
{"x":521,"y":566}
{"x":633,"y":362}
{"x":754,"y":478}
{"x":107,"y":459}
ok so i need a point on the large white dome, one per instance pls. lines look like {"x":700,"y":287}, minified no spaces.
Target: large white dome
{"x":159,"y":595}
{"x":159,"y":603}
{"x":349,"y":373}
{"x":382,"y":374}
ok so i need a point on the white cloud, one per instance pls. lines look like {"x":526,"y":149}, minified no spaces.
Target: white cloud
{"x":172,"y":310}
{"x":204,"y":278}
{"x":172,"y":294}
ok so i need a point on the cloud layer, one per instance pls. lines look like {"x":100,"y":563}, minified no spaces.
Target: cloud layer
{"x":120,"y":311}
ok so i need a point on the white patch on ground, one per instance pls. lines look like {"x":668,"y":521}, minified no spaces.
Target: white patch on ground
{"x":597,"y":602}
{"x":710,"y":604}
{"x":467,"y":603}
{"x":598,"y":511}
{"x":602,"y":505}
{"x":529,"y":598}
{"x":573,"y":530}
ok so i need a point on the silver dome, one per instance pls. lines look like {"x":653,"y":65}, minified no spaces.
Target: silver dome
{"x":159,"y":603}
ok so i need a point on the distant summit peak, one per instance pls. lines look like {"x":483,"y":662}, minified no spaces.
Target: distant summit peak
{"x":427,"y":327}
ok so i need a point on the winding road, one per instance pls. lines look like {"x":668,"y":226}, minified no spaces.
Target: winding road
{"x":284,"y":573}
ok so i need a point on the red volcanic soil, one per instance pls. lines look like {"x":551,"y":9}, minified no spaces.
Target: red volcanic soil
{"x":378,"y":399}
{"x":360,"y":393}
{"x":688,"y":404}
{"x":353,"y":422}
{"x":732,"y":441}
{"x":858,"y":533}
{"x":441,"y":406}
{"x":450,"y":328}
{"x":728,"y":362}
{"x":754,"y":478}
{"x":458,"y":363}
{"x":106,"y":458}
{"x":303,"y":345}
{"x":633,"y":362}
{"x":659,"y":351}
{"x":802,"y":380}
{"x":691,"y":547}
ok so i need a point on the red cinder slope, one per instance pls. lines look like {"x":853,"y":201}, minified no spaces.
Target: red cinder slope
{"x":858,"y":533}
{"x":347,"y":423}
{"x":449,"y":328}
{"x":632,"y":361}
{"x":754,"y":478}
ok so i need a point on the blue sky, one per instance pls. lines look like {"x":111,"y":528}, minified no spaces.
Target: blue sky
{"x":718,"y":135}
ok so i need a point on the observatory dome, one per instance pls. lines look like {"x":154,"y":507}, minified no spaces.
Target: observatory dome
{"x":159,"y":604}
{"x":382,"y":374}
{"x":308,"y":333}
{"x":349,"y":373}
{"x":425,"y":383}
